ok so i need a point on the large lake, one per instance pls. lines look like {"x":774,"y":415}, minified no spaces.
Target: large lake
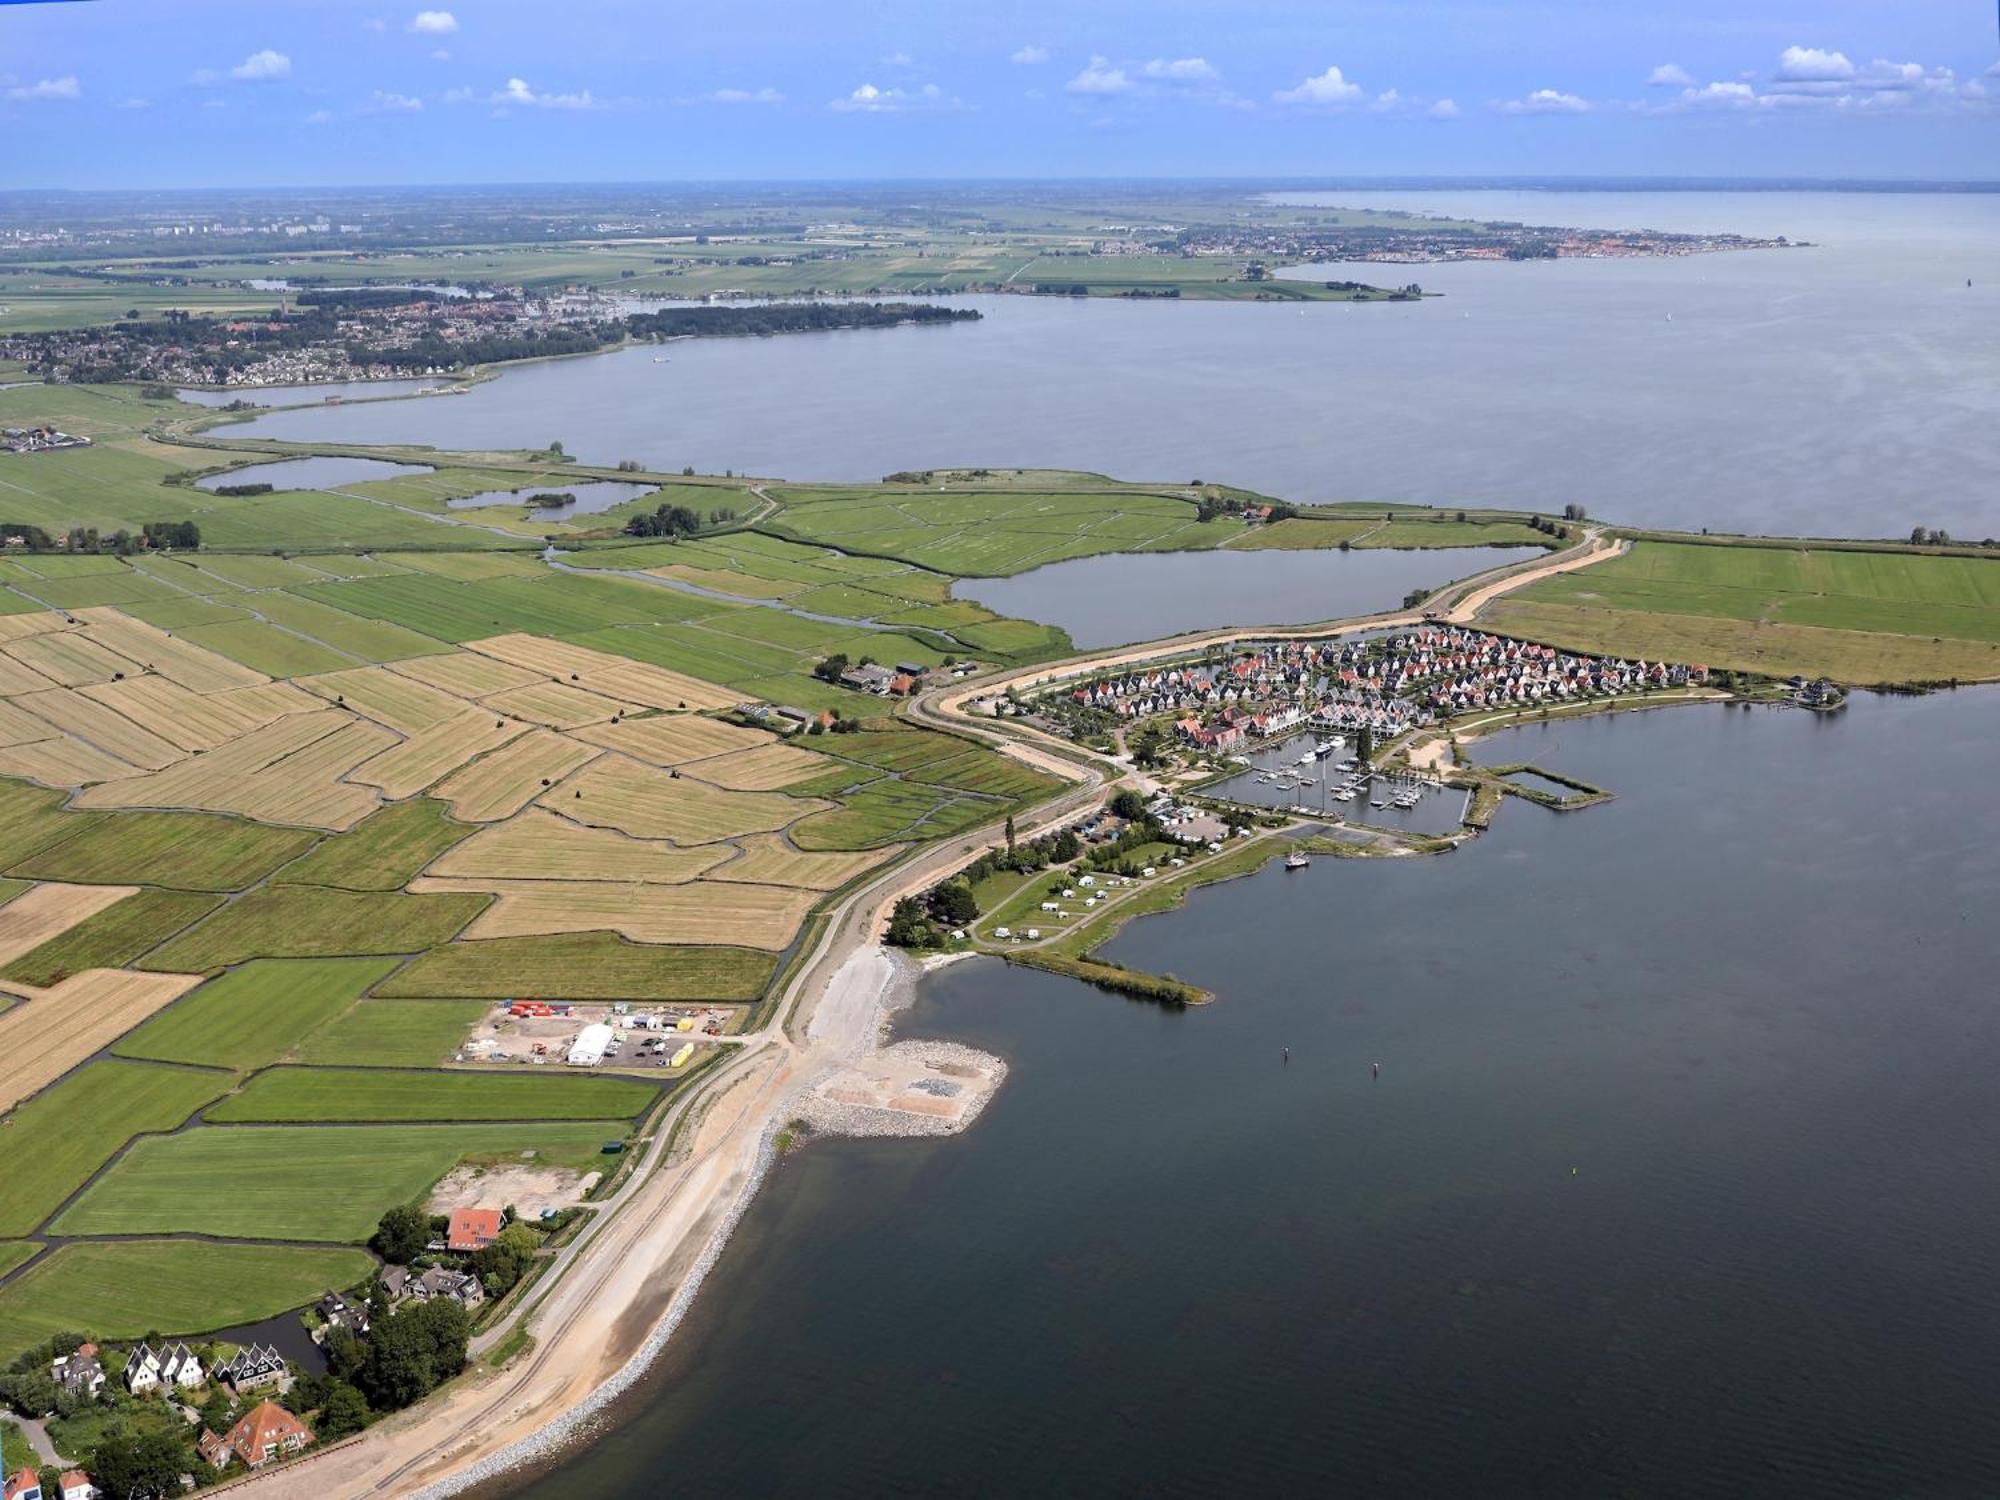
{"x":1677,"y":1178}
{"x":1850,"y":388}
{"x":1143,"y":596}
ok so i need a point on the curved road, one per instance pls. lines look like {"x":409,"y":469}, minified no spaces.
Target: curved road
{"x":642,"y":1256}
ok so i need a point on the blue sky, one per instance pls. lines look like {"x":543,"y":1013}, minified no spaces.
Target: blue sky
{"x":128,"y":93}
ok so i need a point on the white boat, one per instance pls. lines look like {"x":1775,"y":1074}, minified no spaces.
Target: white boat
{"x":1379,"y":802}
{"x":1297,"y":860}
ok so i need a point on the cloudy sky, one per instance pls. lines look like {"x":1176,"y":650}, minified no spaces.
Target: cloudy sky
{"x":123,"y":93}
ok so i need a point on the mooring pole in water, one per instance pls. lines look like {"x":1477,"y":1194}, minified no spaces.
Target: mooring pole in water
{"x":1375,"y":1070}
{"x":1288,"y":1054}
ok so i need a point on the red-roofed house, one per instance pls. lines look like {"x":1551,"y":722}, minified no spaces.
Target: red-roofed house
{"x":265,"y":1432}
{"x":25,"y":1485}
{"x":76,"y":1485}
{"x":472,"y":1229}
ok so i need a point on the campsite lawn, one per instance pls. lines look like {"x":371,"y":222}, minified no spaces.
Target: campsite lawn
{"x":303,"y":1182}
{"x":316,"y":922}
{"x":130,"y":1289}
{"x":285,"y":1095}
{"x":256,"y":1014}
{"x":586,"y":965}
{"x":58,"y":1138}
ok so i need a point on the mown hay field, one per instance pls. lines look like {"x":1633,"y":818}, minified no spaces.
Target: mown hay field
{"x":538,"y":845}
{"x":753,"y":916}
{"x":113,"y":938}
{"x":617,"y":792}
{"x":769,"y":860}
{"x":47,"y":911}
{"x":499,"y":785}
{"x":766,"y":768}
{"x":54,"y":1029}
{"x":583,"y":966}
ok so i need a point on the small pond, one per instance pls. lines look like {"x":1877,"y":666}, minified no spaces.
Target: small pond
{"x":588,"y":497}
{"x":312,"y":473}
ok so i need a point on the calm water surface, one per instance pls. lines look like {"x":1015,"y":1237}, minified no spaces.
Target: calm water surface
{"x":1142,"y":596}
{"x":1851,"y":388}
{"x":313,"y":473}
{"x":586,"y":498}
{"x":306,"y":395}
{"x":1677,"y":1178}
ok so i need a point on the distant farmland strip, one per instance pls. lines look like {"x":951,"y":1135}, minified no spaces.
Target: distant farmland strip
{"x":581,"y":966}
{"x":287,"y":1095}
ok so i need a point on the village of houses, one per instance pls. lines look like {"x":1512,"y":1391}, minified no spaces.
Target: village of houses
{"x":255,"y":1377}
{"x":1386,"y":683}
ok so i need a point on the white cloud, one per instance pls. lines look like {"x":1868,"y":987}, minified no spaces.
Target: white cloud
{"x":457,"y":96}
{"x":1181,"y":70}
{"x":65,"y":87}
{"x":441,"y":54}
{"x":1330,"y":87}
{"x":135,"y":103}
{"x":382,"y":102}
{"x":1445,"y":109}
{"x":433,"y":23}
{"x":1670,"y":75}
{"x":1720,"y":96}
{"x":869,"y":100}
{"x":1812,"y":65}
{"x":262,"y":67}
{"x":1547,"y":102}
{"x":899,"y":59}
{"x":1099,"y":77}
{"x":1386,"y":101}
{"x":320,"y":117}
{"x":740,"y":96}
{"x":518,"y":92}
{"x":1030,"y":55}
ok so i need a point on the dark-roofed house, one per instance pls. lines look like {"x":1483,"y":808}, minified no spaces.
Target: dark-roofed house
{"x":337,"y":1312}
{"x":250,"y":1369}
{"x":172,"y":1366}
{"x":473,"y":1229}
{"x":79,"y":1374}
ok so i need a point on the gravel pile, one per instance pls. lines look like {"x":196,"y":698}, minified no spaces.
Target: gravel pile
{"x":979,"y":1073}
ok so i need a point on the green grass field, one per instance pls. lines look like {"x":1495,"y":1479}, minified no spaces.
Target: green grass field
{"x":393,"y":1033}
{"x":266,"y":648}
{"x":32,"y":818}
{"x":133,"y":1288}
{"x":1854,"y":615}
{"x":316,"y":922}
{"x":381,"y":853}
{"x":299,"y":1095}
{"x":577,"y":966}
{"x":186,"y":851}
{"x":304,"y":1182}
{"x":58,"y":1138}
{"x":114,"y":937}
{"x":256,"y":1014}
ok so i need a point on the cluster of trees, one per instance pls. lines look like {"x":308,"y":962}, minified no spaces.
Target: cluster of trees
{"x":434,"y":351}
{"x":1573,"y":512}
{"x":403,"y":1236}
{"x":1212,"y":507}
{"x":787,"y":317}
{"x":922,"y":921}
{"x":182,"y":535}
{"x":1548,"y":528}
{"x":671,"y":521}
{"x":1930,"y":536}
{"x":240,"y":491}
